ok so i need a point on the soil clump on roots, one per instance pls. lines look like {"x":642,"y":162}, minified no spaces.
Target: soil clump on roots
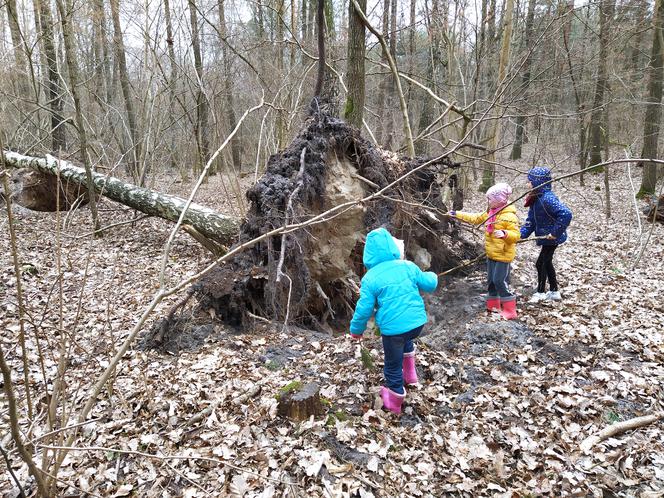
{"x":310,"y":276}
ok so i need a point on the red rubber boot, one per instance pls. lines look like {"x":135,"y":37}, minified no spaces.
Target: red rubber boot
{"x":493,"y":304}
{"x":509,"y":309}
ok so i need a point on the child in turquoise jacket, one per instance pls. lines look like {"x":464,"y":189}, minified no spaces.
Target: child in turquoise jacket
{"x":390,"y":290}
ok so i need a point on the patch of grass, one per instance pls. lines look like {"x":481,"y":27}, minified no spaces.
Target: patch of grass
{"x":288,"y":388}
{"x":612,"y":417}
{"x":341,"y":415}
{"x":367,"y":360}
{"x":272,"y":365}
{"x":338,"y":416}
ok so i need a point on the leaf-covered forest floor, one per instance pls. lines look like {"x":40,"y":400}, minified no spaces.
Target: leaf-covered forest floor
{"x":501,"y":410}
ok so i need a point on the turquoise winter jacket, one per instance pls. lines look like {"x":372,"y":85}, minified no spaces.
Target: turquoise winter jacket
{"x":391,"y":288}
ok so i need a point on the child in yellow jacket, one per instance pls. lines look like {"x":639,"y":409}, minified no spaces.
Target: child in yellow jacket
{"x":500,"y":238}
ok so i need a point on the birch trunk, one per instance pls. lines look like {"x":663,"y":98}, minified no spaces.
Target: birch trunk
{"x":215,"y":226}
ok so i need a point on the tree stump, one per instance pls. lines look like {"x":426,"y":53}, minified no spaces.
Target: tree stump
{"x":298,"y":402}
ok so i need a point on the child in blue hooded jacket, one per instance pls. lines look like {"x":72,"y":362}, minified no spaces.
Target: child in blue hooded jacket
{"x":548,"y":217}
{"x":390,"y":290}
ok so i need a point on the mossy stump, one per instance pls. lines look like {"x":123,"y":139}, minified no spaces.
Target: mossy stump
{"x":300,"y":402}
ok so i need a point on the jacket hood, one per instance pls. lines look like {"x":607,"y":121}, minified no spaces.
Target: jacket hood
{"x":539,"y":175}
{"x":379,"y":247}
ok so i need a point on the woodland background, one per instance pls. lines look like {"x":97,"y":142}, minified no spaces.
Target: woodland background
{"x":148,"y":91}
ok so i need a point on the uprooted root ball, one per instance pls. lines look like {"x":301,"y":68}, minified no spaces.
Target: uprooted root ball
{"x":311,"y":275}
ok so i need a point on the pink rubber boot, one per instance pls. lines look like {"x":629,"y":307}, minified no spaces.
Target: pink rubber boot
{"x":493,"y":304}
{"x":409,"y":371}
{"x":391,"y":400}
{"x":509,"y":309}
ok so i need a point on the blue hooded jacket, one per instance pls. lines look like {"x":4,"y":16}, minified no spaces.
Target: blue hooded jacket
{"x":547,"y":214}
{"x":391,"y":288}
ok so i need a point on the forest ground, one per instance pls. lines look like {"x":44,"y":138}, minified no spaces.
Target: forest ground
{"x":502,"y":408}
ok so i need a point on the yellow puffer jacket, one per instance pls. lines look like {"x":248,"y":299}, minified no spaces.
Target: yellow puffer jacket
{"x":498,"y":249}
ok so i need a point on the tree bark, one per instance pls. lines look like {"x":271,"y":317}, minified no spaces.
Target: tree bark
{"x":218,"y":227}
{"x":606,"y":8}
{"x":525,"y":80}
{"x":488,"y":176}
{"x":58,"y":137}
{"x":653,"y":115}
{"x":15,"y":32}
{"x":121,"y":60}
{"x":236,"y":146}
{"x":384,"y":81}
{"x":354,"y":110}
{"x":329,"y":19}
{"x":202,"y":127}
{"x":100,"y":50}
{"x":70,"y":54}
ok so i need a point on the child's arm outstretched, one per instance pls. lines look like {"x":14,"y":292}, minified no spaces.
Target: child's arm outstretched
{"x":364,"y":309}
{"x":427,"y":281}
{"x":473,"y":218}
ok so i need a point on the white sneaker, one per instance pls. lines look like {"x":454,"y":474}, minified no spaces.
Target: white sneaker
{"x":553,"y":296}
{"x":538,"y":297}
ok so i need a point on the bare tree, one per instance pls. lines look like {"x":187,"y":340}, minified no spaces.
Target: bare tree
{"x":54,"y":92}
{"x":488,"y":176}
{"x":354,"y":109}
{"x":228,"y":87}
{"x":65,"y":12}
{"x":525,"y":80}
{"x":597,"y":134}
{"x":100,"y":51}
{"x":653,"y":115}
{"x":121,"y":61}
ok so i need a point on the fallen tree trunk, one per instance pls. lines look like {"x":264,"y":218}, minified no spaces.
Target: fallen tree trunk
{"x":218,"y":227}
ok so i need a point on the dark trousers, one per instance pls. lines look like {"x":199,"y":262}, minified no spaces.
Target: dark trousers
{"x":498,"y":276}
{"x":545,"y":269}
{"x":394,"y":346}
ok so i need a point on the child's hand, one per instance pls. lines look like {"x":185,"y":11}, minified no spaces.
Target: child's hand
{"x":550,"y":237}
{"x":499,"y":234}
{"x":356,"y":337}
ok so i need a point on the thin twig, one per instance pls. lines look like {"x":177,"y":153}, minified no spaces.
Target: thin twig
{"x":62,"y":429}
{"x":107,"y":227}
{"x":11,"y":471}
{"x":619,"y":428}
{"x":164,"y":458}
